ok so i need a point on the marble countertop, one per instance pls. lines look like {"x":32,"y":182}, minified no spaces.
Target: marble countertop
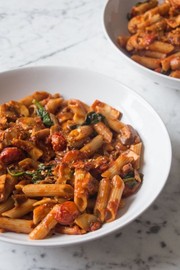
{"x":70,"y":33}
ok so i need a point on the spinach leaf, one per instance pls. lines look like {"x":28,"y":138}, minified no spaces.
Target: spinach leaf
{"x":129,"y":175}
{"x":93,"y":118}
{"x":131,"y":182}
{"x":37,"y":175}
{"x":43,"y":114}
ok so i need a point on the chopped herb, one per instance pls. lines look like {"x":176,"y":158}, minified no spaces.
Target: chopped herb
{"x":129,"y":175}
{"x":130,"y":182}
{"x":93,"y":118}
{"x":43,"y":114}
{"x":37,"y":175}
{"x":41,"y":172}
{"x":14,"y":173}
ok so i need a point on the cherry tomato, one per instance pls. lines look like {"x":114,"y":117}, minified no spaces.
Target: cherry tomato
{"x":11,"y":154}
{"x":67,"y":213}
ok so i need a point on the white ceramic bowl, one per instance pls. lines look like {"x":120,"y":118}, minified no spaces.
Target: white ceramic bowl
{"x":88,"y":86}
{"x":115,"y":24}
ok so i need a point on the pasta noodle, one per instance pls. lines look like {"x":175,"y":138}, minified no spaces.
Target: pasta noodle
{"x":64,"y":166}
{"x":154,"y":36}
{"x":114,"y":198}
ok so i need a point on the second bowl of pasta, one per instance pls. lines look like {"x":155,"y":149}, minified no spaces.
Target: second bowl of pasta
{"x":146,"y":34}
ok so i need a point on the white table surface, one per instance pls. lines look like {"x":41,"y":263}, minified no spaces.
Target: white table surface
{"x":70,"y":33}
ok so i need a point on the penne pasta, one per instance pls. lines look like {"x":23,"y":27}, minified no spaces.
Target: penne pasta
{"x":40,"y":134}
{"x":115,"y":125}
{"x":27,"y":101}
{"x":174,"y":22}
{"x":137,"y":148}
{"x":7,"y":205}
{"x":116,"y":166}
{"x":152,"y":54}
{"x":175,"y":63}
{"x":16,"y":225}
{"x":45,"y":226}
{"x":114,"y":198}
{"x":78,"y":109}
{"x":2,"y":187}
{"x":171,"y":62}
{"x":105,"y":110}
{"x":65,"y":114}
{"x":19,"y":186}
{"x":7,"y":184}
{"x":77,"y":137}
{"x":20,"y":210}
{"x":103,"y":130}
{"x":80,"y":192}
{"x":54,"y":104}
{"x":64,"y":164}
{"x":175,"y":74}
{"x":29,"y":147}
{"x":152,"y":63}
{"x":64,"y":174}
{"x":143,"y":7}
{"x":73,"y":230}
{"x":90,"y":148}
{"x":41,"y":211}
{"x":46,"y":200}
{"x":28,"y":163}
{"x":149,"y":17}
{"x":102,"y":198}
{"x":41,"y":190}
{"x":135,"y":157}
{"x":154,"y":36}
{"x":162,"y":47}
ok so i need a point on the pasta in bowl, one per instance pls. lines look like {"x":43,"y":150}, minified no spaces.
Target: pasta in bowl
{"x":147,"y":34}
{"x":72,"y":165}
{"x":65,"y":166}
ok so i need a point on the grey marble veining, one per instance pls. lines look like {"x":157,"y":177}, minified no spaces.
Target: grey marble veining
{"x":68,"y":32}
